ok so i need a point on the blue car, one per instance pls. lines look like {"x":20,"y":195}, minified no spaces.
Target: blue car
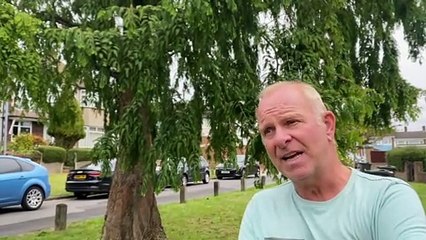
{"x":22,"y":182}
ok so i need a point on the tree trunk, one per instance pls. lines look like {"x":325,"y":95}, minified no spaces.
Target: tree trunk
{"x":131,"y":216}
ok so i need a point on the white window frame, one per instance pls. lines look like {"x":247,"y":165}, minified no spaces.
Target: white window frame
{"x":21,"y":125}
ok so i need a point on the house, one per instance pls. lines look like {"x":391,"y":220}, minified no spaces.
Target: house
{"x":410,"y":138}
{"x":375,"y":151}
{"x":20,"y":122}
{"x":93,"y":120}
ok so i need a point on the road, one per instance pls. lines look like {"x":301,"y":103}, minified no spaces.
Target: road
{"x":14,"y":220}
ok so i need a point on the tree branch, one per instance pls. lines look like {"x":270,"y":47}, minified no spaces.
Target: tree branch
{"x":46,"y":16}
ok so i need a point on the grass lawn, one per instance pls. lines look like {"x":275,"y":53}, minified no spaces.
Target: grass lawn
{"x":203,"y":219}
{"x":421,"y":190}
{"x":57,"y":183}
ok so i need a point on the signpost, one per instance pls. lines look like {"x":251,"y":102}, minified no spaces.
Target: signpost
{"x":5,"y":127}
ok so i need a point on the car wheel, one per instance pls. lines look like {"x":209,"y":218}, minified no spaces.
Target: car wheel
{"x":242,"y":175}
{"x":33,"y":198}
{"x":184,"y":180}
{"x":79,"y":195}
{"x":206,"y":178}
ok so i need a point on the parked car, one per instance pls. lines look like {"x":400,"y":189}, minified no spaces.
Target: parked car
{"x":89,"y":180}
{"x":187,"y":172}
{"x":23,"y":182}
{"x":237,"y":169}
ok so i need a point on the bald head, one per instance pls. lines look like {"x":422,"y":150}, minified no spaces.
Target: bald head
{"x":309,"y":94}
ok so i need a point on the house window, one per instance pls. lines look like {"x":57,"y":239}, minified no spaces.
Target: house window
{"x":21,"y":127}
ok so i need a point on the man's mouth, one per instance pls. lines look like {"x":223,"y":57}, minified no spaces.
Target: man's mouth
{"x":291,"y":156}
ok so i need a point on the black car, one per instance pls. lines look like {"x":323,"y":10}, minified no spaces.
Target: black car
{"x":89,"y":180}
{"x":237,"y":169}
{"x":188,"y":177}
{"x":187,"y":172}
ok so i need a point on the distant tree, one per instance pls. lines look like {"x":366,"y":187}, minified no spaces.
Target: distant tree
{"x":66,"y":122}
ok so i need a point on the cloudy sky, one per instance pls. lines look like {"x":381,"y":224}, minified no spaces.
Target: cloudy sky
{"x":414,"y":73}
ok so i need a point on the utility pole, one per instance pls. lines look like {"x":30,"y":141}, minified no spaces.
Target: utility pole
{"x":5,"y":125}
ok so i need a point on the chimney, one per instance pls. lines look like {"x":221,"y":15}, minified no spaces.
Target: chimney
{"x":424,"y":128}
{"x":405,"y":129}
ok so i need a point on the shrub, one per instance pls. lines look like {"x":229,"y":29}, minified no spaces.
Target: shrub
{"x":34,"y":155}
{"x":83,"y":154}
{"x":399,"y":156}
{"x":39,"y":141}
{"x":25,"y":143}
{"x":52,"y":154}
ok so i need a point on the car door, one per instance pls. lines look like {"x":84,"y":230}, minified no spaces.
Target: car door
{"x":204,"y":167}
{"x":11,"y":180}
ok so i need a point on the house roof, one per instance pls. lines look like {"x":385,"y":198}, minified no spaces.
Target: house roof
{"x":380,"y":147}
{"x":415,"y":134}
{"x":383,"y":147}
{"x":23,"y":114}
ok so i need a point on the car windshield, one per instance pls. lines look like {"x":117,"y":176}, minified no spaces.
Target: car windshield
{"x":240,"y":159}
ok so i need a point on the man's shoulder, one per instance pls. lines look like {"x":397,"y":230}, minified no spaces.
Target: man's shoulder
{"x":375,"y":179}
{"x":375,"y":183}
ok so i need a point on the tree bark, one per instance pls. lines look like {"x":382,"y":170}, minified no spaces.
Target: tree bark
{"x":131,"y":216}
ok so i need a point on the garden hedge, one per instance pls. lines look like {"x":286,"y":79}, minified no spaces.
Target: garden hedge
{"x":52,"y":154}
{"x":83,"y":154}
{"x":398,"y":156}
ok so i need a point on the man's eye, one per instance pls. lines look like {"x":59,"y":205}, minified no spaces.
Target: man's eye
{"x":267,"y":131}
{"x":292,"y":122}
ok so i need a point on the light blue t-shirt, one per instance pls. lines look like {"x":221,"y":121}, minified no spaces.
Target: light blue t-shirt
{"x":368,"y":208}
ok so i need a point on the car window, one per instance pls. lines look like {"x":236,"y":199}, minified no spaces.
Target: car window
{"x":98,"y":166}
{"x":8,"y":165}
{"x":203,"y":162}
{"x":26,"y":166}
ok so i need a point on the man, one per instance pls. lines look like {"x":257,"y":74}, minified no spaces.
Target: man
{"x":324,"y":200}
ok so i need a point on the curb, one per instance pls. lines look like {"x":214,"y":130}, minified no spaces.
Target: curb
{"x":59,"y":197}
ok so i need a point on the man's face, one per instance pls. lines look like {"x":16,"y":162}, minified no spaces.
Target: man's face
{"x":296,"y":135}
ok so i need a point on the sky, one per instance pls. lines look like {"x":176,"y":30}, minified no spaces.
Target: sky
{"x":414,"y":73}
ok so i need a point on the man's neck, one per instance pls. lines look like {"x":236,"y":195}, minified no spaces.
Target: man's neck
{"x":326,"y":186}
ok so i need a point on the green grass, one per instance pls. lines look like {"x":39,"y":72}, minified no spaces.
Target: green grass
{"x":57,"y":184}
{"x":203,"y":219}
{"x":421,"y":191}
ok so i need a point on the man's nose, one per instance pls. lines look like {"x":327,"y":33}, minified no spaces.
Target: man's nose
{"x":282,"y":138}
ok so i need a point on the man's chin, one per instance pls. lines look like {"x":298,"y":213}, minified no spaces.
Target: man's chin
{"x":300,"y":176}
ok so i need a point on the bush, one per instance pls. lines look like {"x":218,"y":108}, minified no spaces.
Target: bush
{"x":398,"y":156}
{"x":34,"y":155}
{"x":83,"y":154}
{"x":52,"y":154}
{"x":25,"y":143}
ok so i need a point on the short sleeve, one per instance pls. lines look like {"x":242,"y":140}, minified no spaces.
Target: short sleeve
{"x":401,"y":215}
{"x":247,"y":227}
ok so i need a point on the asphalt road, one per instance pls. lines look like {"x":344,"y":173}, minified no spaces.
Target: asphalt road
{"x":14,"y":220}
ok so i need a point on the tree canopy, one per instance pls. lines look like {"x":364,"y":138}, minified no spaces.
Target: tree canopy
{"x":158,"y":68}
{"x":19,"y":58}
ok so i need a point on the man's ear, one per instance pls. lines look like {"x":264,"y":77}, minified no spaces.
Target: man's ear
{"x":330,"y":124}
